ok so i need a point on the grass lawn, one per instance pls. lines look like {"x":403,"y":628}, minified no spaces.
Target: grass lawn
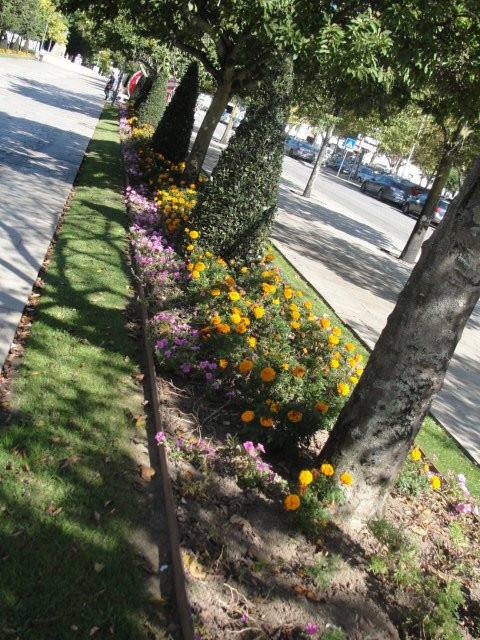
{"x":437,"y":444}
{"x":69,"y":511}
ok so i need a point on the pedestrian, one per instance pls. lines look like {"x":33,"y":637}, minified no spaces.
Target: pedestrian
{"x":109,"y":86}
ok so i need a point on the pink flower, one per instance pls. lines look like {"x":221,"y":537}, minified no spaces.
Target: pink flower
{"x":160,"y":437}
{"x":260,"y":447}
{"x":311,"y":628}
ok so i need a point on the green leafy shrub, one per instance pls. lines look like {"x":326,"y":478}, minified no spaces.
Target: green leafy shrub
{"x":152,"y":108}
{"x":172,"y":135}
{"x":236,"y":208}
{"x":437,"y":614}
{"x":411,"y":480}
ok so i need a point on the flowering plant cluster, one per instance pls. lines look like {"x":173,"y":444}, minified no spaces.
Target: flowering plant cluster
{"x":240,"y":329}
{"x":252,"y":470}
{"x":196,"y":451}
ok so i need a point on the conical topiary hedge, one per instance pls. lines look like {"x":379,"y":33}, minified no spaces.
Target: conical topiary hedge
{"x":172,"y":135}
{"x":151,"y":103}
{"x":235,"y":210}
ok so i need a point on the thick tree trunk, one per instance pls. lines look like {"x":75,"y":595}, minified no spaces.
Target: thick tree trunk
{"x":318,"y":163}
{"x":228,"y":128}
{"x":411,"y":249}
{"x":205,"y":133}
{"x":378,"y":425}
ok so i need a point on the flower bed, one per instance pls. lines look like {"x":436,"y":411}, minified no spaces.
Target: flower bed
{"x":240,"y":336}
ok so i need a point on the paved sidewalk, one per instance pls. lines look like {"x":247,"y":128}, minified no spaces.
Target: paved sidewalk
{"x":48,"y":112}
{"x":361,"y":283}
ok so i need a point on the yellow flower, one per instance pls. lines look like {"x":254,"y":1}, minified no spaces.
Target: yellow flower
{"x":359,"y":371}
{"x":247,"y":416}
{"x":346,"y":478}
{"x":305,"y":477}
{"x":287,"y":293}
{"x":292,"y":502}
{"x":222,"y":363}
{"x":295,"y":416}
{"x":299,"y":294}
{"x":325,"y":323}
{"x":275,"y":407}
{"x":216,"y":320}
{"x":241,"y":328}
{"x":235,"y":318}
{"x":307,"y":304}
{"x":195,"y":273}
{"x":295,"y":325}
{"x":415,"y":454}
{"x":193,"y":235}
{"x":275,"y":301}
{"x":190,"y":247}
{"x":336,"y":331}
{"x":311,"y":315}
{"x":353,"y":379}
{"x":215,"y":292}
{"x":266,"y":287}
{"x":267,"y":274}
{"x":298,"y":372}
{"x":245,"y":366}
{"x":272,"y":288}
{"x":258,"y":312}
{"x":333,"y":340}
{"x":244,"y":269}
{"x":293,"y":307}
{"x":321,"y":406}
{"x":343,"y":389}
{"x":285,"y":366}
{"x":334,"y":364}
{"x":199,"y":266}
{"x":351,"y":361}
{"x":326,"y":469}
{"x":436,"y":483}
{"x":234,"y":295}
{"x":252,"y":342}
{"x":267,"y":374}
{"x":266,"y":422}
{"x":269,"y":257}
{"x":230,"y":281}
{"x":295,"y":315}
{"x":349,"y":346}
{"x":208,"y":254}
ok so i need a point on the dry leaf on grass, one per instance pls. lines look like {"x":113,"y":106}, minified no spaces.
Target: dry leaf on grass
{"x":141,"y":422}
{"x":195,"y":568}
{"x":146,"y":473}
{"x":68,"y":462}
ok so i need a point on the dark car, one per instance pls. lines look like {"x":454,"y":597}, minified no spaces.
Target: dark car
{"x":391,"y":188}
{"x":365,"y":172}
{"x":300,"y":150}
{"x":335,"y":161}
{"x":414,"y":205}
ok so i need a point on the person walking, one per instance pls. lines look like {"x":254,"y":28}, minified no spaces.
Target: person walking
{"x":109,"y":86}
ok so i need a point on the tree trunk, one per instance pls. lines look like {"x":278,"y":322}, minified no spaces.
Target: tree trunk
{"x":316,"y":167}
{"x":378,"y":425}
{"x":228,"y":128}
{"x":411,"y":249}
{"x":205,"y":133}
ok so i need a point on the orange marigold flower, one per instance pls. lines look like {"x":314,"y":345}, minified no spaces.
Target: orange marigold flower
{"x":245,"y":366}
{"x":336,"y":331}
{"x":190,"y":247}
{"x":234,"y":296}
{"x":269,"y":257}
{"x":223,"y":328}
{"x":235,"y":318}
{"x":295,"y":416}
{"x":333,"y":340}
{"x":305,"y":477}
{"x":285,"y":366}
{"x":259,"y":312}
{"x":325,"y":323}
{"x":349,"y":346}
{"x":193,"y":235}
{"x":241,"y":328}
{"x":215,"y":292}
{"x":275,"y":407}
{"x":252,"y":342}
{"x":343,"y":388}
{"x":247,"y":416}
{"x":326,"y":469}
{"x":216,"y":320}
{"x":267,"y":374}
{"x":292,"y":502}
{"x":195,"y":274}
{"x":334,"y":364}
{"x":346,"y":478}
{"x":293,"y":307}
{"x":307,"y":304}
{"x":298,"y":372}
{"x":295,"y":325}
{"x":321,"y":406}
{"x":295,"y":315}
{"x":222,"y":363}
{"x":244,"y":269}
{"x":266,"y":422}
{"x":287,"y":293}
{"x":299,"y":294}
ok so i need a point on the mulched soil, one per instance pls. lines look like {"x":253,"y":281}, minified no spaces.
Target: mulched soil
{"x":246,"y":564}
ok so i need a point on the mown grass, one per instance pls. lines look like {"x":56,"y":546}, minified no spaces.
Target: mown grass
{"x":437,"y":444}
{"x":68,"y":507}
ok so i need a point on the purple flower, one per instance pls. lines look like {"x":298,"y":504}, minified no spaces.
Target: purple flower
{"x":203,"y":364}
{"x":161,"y":344}
{"x":244,"y":618}
{"x":209,"y":376}
{"x":311,"y":628}
{"x":260,"y":447}
{"x":185,"y":367}
{"x":160,"y":437}
{"x":216,"y":385}
{"x":168,"y":353}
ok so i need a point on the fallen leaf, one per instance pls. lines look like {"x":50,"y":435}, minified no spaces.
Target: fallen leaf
{"x":55,"y":439}
{"x":98,"y":566}
{"x":141,"y":422}
{"x":67,"y":462}
{"x":35,"y":373}
{"x":51,"y":510}
{"x":139,"y":377}
{"x":97,"y":517}
{"x":146,"y":473}
{"x":194,"y":567}
{"x":93,"y":631}
{"x":26,"y":467}
{"x":74,"y":627}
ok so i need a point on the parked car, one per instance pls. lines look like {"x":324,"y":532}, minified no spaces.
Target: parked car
{"x":365,"y":172}
{"x":300,"y":150}
{"x":391,"y":188}
{"x":414,"y":205}
{"x":335,"y":161}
